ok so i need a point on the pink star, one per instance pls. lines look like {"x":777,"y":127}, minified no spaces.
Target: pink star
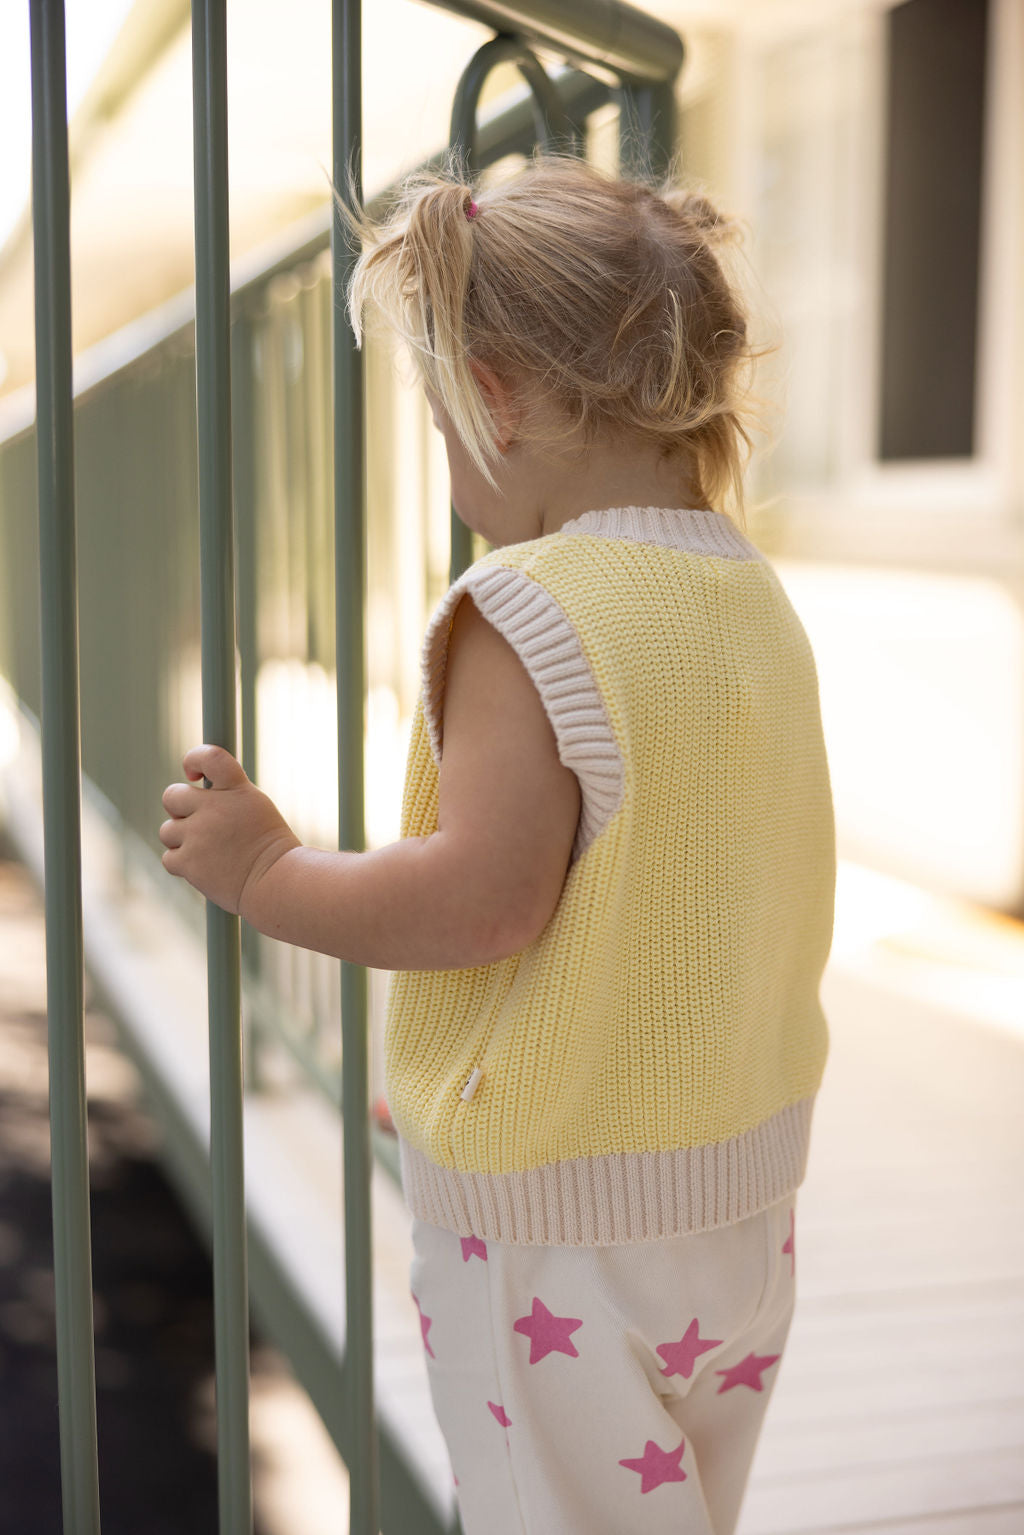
{"x":656,"y":1465}
{"x":500,"y":1413}
{"x":680,"y":1357}
{"x":748,"y":1372}
{"x":789,"y":1245}
{"x":548,"y":1334}
{"x":426,"y":1323}
{"x":473,"y":1247}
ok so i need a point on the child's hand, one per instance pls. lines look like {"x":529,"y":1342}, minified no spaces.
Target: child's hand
{"x":225,"y":838}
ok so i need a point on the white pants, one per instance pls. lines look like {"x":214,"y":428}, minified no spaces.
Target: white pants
{"x":605,"y":1390}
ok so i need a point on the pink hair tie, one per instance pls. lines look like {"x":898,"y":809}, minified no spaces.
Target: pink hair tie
{"x":472,"y":210}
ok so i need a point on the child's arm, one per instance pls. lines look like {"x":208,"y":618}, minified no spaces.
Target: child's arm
{"x":481,"y":887}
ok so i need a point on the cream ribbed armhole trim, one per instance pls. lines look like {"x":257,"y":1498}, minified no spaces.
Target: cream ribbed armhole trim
{"x":540,"y":633}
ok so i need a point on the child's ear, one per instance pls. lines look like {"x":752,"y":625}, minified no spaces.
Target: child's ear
{"x":500,"y":403}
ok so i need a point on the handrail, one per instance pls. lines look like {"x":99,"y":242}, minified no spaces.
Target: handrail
{"x":604,"y":34}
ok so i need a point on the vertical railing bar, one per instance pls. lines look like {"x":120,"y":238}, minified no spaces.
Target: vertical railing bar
{"x":349,"y":556}
{"x":72,"y":1262}
{"x":217,"y":588}
{"x":243,"y":472}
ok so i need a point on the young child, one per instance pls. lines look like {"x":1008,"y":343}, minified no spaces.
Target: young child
{"x":612,"y":902}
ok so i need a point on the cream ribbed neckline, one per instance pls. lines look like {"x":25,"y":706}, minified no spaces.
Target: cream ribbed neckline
{"x":695,"y":530}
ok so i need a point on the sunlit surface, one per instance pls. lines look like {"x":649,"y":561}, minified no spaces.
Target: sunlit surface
{"x":300,"y":1481}
{"x":921,"y":681}
{"x":297,"y":761}
{"x":8,"y":730}
{"x":298,"y":752}
{"x":90,"y":28}
{"x":962,"y":958}
{"x":132,"y":207}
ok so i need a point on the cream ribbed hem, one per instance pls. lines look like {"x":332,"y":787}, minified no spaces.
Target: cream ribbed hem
{"x":631,"y":1197}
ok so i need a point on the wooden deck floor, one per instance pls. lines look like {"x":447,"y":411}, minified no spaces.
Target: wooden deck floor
{"x":899,"y":1408}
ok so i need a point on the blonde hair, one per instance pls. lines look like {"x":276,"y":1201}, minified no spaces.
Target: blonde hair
{"x":606,"y":298}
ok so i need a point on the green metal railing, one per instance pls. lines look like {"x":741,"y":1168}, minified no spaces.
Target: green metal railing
{"x":269,"y":473}
{"x":217,"y":593}
{"x":349,"y":565}
{"x":72,"y":1252}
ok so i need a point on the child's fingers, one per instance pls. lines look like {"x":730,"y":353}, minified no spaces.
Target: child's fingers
{"x":170,"y":834}
{"x":222,"y":769}
{"x":178,"y":799}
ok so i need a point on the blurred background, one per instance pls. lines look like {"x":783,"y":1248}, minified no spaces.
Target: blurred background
{"x":874,"y":152}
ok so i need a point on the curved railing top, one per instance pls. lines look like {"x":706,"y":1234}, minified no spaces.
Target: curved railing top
{"x":605,"y":34}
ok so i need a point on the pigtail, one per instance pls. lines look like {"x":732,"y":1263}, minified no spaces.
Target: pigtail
{"x":436,"y":266}
{"x":417,"y":269}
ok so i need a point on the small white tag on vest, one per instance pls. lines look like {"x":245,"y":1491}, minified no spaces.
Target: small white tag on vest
{"x":471,"y":1085}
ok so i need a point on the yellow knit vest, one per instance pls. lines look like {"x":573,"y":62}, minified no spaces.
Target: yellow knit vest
{"x":648,"y":1065}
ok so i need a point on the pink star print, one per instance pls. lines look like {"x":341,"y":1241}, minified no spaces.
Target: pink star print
{"x":548,"y":1334}
{"x":500,"y":1413}
{"x":473,"y":1247}
{"x":789,"y":1245}
{"x":656,"y":1465}
{"x":748,"y":1372}
{"x":680,"y":1357}
{"x":426,"y":1323}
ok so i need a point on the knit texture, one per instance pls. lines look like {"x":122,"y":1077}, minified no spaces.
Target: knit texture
{"x":648,"y":1065}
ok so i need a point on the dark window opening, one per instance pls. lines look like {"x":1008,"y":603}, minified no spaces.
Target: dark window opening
{"x":936,"y":94}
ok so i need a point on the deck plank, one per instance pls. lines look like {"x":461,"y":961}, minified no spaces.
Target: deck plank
{"x":899,"y":1407}
{"x":813,"y":1447}
{"x":971,"y":1521}
{"x":867,"y":1496}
